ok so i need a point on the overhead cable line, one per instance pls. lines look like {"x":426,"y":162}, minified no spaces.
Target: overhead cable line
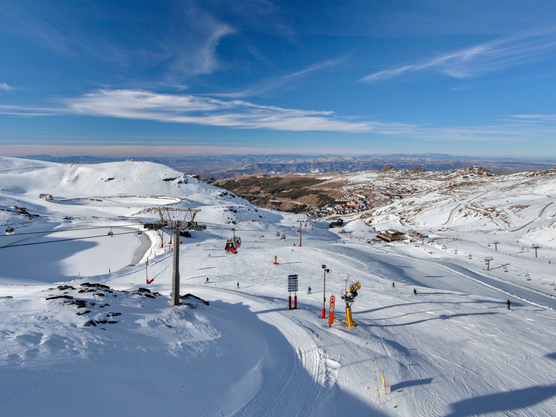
{"x":63,"y":240}
{"x":63,"y":230}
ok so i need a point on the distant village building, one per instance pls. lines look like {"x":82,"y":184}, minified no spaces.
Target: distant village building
{"x":337,"y":223}
{"x":391,"y":235}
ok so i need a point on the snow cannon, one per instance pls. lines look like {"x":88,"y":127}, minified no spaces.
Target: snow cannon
{"x":349,"y":297}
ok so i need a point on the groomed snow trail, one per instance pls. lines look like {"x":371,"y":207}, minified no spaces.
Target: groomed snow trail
{"x":300,"y":378}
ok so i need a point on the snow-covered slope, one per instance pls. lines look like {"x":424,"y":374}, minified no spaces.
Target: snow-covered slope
{"x":109,"y":343}
{"x":467,"y":199}
{"x":90,"y":200}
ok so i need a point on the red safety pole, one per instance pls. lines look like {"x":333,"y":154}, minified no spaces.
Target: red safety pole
{"x":331,"y":311}
{"x":290,"y":305}
{"x":295,"y":302}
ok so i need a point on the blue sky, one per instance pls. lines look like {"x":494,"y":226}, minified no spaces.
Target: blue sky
{"x":143,"y":77}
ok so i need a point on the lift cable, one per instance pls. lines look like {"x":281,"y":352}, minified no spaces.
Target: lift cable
{"x":66,"y":230}
{"x":217,"y":227}
{"x":64,"y":240}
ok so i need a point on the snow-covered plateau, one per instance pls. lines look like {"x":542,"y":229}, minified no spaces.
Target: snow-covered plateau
{"x":82,"y":333}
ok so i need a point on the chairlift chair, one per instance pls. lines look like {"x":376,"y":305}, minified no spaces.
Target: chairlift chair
{"x":110,"y":233}
{"x":9,"y":230}
{"x":231,"y":246}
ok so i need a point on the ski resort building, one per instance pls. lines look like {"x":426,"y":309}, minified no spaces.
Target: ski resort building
{"x":391,"y":235}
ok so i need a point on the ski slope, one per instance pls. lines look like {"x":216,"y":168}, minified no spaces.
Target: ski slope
{"x":453,"y":350}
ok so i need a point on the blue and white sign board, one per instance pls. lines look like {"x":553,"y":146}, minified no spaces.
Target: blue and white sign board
{"x":292,"y":283}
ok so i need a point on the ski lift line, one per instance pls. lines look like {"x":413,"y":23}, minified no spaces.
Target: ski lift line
{"x":65,"y":230}
{"x":64,"y":240}
{"x":251,"y":230}
{"x":164,"y":269}
{"x":107,"y":227}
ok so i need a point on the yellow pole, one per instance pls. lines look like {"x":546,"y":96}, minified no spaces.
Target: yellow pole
{"x":349,"y":319}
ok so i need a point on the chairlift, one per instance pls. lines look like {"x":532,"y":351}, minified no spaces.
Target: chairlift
{"x":110,"y":233}
{"x":231,"y":246}
{"x":9,"y":230}
{"x":283,"y":237}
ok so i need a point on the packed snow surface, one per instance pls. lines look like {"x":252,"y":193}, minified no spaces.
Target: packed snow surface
{"x":81,"y":331}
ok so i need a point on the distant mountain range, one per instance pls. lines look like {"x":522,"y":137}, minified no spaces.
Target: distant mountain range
{"x":227,"y":166}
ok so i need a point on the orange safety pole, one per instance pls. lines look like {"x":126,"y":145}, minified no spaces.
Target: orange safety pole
{"x":331,"y":309}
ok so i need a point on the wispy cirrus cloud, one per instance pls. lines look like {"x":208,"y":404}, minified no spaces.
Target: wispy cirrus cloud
{"x":487,"y":57}
{"x":181,"y":37}
{"x":5,"y":87}
{"x":273,"y":84}
{"x":192,"y":46}
{"x":534,"y":117}
{"x":241,"y":114}
{"x":138,"y":104}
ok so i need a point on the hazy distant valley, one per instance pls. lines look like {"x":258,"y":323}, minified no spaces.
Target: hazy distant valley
{"x":228,"y":166}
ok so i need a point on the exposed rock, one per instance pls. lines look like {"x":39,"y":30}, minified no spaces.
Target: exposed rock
{"x":65,"y":287}
{"x":78,"y":303}
{"x":95,"y":285}
{"x":191,"y":296}
{"x":54,"y":297}
{"x":389,"y":168}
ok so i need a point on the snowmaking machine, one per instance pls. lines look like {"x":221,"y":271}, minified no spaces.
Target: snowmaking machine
{"x":348,"y":296}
